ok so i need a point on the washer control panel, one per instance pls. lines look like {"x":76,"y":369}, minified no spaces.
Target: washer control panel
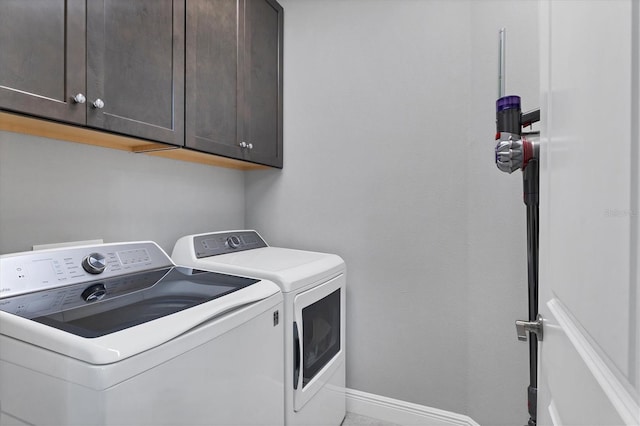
{"x":38,"y":270}
{"x":226,"y":242}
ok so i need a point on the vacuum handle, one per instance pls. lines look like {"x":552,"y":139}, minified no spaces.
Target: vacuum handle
{"x":296,"y":355}
{"x":530,"y":117}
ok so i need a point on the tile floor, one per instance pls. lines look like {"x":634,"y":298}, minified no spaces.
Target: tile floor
{"x":357,"y":420}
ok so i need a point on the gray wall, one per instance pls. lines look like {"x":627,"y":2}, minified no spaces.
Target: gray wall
{"x":388,"y":132}
{"x":389,"y":124}
{"x":53,"y":191}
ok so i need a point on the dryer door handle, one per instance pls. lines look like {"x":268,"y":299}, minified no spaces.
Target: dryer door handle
{"x":296,"y":355}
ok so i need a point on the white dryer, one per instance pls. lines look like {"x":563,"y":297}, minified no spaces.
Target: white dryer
{"x":313,"y":285}
{"x":116,"y":334}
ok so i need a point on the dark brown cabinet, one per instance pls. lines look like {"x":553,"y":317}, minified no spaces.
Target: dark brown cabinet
{"x":135,"y":66}
{"x":201,"y":74}
{"x":128,"y":79}
{"x":234,"y":79}
{"x":42,"y":58}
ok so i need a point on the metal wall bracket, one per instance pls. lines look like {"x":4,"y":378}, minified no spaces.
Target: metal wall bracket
{"x":531,"y":326}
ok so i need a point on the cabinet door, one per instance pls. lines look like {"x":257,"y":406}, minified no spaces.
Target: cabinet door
{"x":135,"y":67}
{"x":262,"y":81}
{"x":42,"y":57}
{"x":212,"y":77}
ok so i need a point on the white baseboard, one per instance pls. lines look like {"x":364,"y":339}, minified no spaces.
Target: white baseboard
{"x":401,"y":412}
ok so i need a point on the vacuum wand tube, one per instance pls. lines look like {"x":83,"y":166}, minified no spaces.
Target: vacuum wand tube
{"x":502,"y":60}
{"x":515,"y":152}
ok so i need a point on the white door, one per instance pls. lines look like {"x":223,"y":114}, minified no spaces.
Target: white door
{"x":589,"y":359}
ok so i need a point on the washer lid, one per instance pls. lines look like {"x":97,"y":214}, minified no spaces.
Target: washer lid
{"x":123,"y":325}
{"x":103,"y":307}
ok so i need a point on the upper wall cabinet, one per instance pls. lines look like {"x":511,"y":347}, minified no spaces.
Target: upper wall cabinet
{"x":42,"y":58}
{"x":129,"y":79}
{"x":135,"y":66}
{"x":234,"y":79}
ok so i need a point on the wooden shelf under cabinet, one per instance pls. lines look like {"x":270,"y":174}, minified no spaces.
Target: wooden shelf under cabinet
{"x":49,"y":129}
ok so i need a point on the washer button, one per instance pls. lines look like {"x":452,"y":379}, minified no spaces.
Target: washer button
{"x":95,"y":263}
{"x":233,"y":242}
{"x":94,"y":293}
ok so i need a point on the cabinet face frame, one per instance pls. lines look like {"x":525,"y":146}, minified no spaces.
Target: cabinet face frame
{"x":74,"y":74}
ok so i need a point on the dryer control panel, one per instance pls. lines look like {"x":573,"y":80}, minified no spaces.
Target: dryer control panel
{"x":226,"y":242}
{"x":45,"y":269}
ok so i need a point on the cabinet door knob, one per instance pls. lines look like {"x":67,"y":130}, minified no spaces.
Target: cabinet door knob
{"x":79,"y":98}
{"x":250,"y":146}
{"x":243,"y":144}
{"x":98,"y":103}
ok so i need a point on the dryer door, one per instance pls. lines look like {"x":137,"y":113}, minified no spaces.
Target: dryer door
{"x":318,"y":333}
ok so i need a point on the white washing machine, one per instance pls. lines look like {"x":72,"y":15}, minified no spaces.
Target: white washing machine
{"x":313,"y":285}
{"x":116,"y":334}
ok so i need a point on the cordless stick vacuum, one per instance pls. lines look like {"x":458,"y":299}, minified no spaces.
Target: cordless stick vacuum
{"x":514,"y":151}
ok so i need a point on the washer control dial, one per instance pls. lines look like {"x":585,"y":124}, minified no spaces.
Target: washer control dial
{"x":95,"y":263}
{"x":94,"y":292}
{"x":233,"y":242}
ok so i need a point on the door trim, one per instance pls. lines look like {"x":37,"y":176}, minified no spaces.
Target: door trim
{"x":613,"y":384}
